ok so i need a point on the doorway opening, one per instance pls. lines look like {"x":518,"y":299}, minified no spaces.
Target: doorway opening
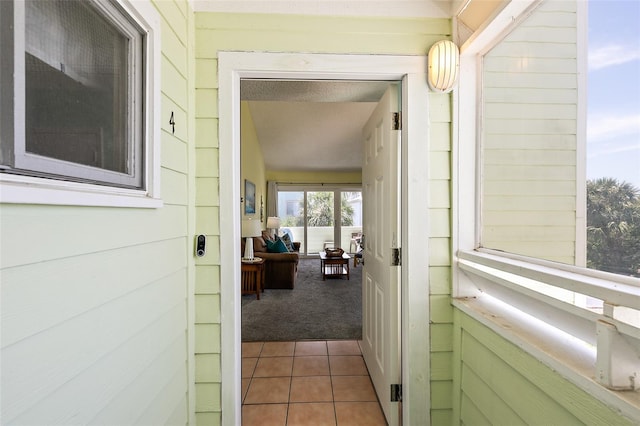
{"x":302,"y":146}
{"x":233,"y":67}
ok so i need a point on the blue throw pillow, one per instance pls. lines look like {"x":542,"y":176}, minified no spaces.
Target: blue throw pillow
{"x":287,"y":242}
{"x":276,"y":246}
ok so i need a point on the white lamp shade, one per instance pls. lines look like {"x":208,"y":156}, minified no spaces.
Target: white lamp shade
{"x":251,"y":228}
{"x":444,"y":64}
{"x":273,"y":222}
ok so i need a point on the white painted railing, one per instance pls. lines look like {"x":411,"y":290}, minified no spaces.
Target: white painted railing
{"x":548,"y":291}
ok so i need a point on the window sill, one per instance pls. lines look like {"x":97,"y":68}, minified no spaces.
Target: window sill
{"x":16,"y":189}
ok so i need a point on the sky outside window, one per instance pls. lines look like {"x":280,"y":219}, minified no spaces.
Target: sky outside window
{"x":613,"y":124}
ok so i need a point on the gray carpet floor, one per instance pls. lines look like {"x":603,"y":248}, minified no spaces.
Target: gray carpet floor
{"x":313,"y":310}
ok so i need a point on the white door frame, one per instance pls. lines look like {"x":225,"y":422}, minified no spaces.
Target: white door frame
{"x":232,"y":67}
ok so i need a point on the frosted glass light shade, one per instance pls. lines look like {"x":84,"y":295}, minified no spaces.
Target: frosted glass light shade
{"x":444,"y":65}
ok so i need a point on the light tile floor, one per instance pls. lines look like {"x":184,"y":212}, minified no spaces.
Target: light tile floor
{"x":307,"y":383}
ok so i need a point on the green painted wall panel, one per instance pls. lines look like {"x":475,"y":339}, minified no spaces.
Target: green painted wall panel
{"x":535,"y":392}
{"x":207,"y":162}
{"x":440,"y":133}
{"x":207,"y":73}
{"x":176,"y":151}
{"x":441,"y":394}
{"x":175,"y":186}
{"x":439,"y":108}
{"x":322,"y":42}
{"x":441,"y":417}
{"x":440,"y":280}
{"x":440,"y":223}
{"x":439,"y":252}
{"x":180,"y":130}
{"x":207,"y":309}
{"x":480,"y":396}
{"x":206,"y":103}
{"x":208,"y":279}
{"x":173,"y":43}
{"x":207,"y":338}
{"x":322,"y":24}
{"x":175,"y":15}
{"x":441,"y":337}
{"x":174,"y":84}
{"x":208,"y":399}
{"x":440,"y":193}
{"x":207,"y":220}
{"x":471,"y":415}
{"x":207,"y":133}
{"x":256,"y":32}
{"x":208,"y":418}
{"x":441,"y":366}
{"x":66,"y":229}
{"x":441,"y":309}
{"x":207,"y":368}
{"x":207,"y":193}
{"x":439,"y":165}
{"x":54,"y":306}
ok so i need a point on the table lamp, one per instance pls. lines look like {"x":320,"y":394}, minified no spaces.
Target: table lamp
{"x":273,"y":222}
{"x":250,"y":229}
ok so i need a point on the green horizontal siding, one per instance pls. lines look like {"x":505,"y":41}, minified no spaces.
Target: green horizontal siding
{"x":501,"y":384}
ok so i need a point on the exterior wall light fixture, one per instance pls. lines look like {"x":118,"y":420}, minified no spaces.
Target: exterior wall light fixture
{"x":443,"y":66}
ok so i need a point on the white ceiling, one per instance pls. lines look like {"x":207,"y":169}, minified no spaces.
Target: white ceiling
{"x":311,"y":125}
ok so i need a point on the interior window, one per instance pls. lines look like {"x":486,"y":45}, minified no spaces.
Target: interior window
{"x":321,"y":219}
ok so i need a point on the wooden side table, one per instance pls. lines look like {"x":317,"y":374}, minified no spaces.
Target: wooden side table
{"x":253,"y":276}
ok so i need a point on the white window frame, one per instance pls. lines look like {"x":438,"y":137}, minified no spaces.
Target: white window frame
{"x":336,"y":189}
{"x":34,"y":188}
{"x":491,"y":286}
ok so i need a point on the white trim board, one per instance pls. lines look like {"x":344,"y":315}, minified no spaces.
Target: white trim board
{"x":233,"y":66}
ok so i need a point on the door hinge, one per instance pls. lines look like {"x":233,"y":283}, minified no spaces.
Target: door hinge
{"x":396,"y":393}
{"x":396,"y":121}
{"x":396,"y":257}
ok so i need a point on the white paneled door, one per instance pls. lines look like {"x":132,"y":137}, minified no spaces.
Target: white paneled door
{"x":381,"y":279}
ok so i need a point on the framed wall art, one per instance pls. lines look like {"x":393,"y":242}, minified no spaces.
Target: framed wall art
{"x":249,"y":197}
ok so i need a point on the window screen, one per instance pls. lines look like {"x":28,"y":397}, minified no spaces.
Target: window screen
{"x":76,"y":85}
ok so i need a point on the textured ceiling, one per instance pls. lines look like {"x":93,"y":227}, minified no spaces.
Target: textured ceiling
{"x":311,"y":125}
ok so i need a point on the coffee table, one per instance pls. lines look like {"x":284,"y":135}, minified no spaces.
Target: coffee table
{"x":334,"y":266}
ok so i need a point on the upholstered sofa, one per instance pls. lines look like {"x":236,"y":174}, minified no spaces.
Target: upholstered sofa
{"x":281,"y":269}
